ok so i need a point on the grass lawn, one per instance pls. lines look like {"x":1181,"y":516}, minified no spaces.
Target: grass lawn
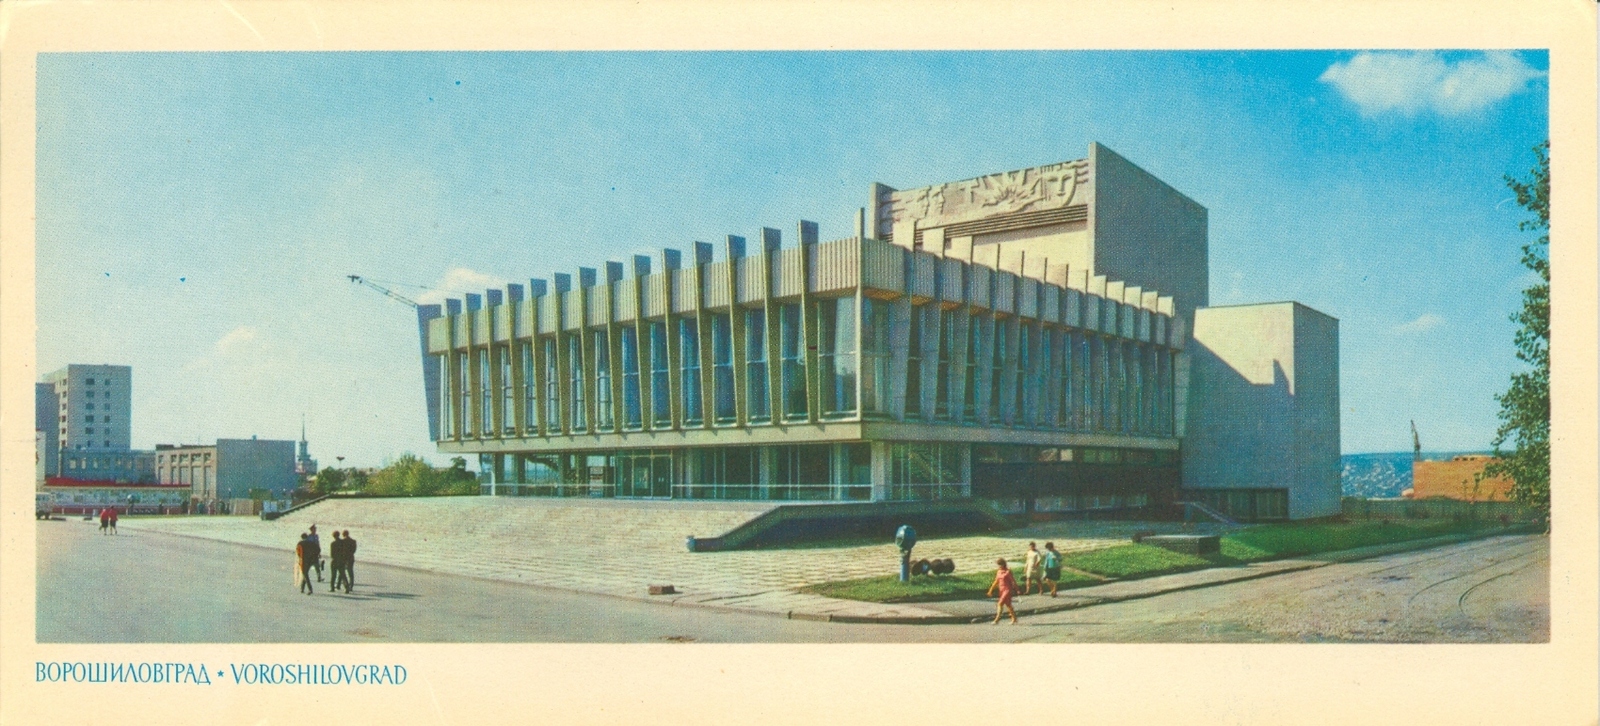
{"x":926,"y":588}
{"x":1133,"y":561}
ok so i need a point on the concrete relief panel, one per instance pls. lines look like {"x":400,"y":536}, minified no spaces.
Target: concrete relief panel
{"x":1025,"y":190}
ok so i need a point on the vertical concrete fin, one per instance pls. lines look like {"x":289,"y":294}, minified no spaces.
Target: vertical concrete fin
{"x":563,"y":281}
{"x":808,"y":232}
{"x":703,"y":252}
{"x":514,"y":293}
{"x":587,"y":277}
{"x":613,"y":272}
{"x":452,"y":306}
{"x":641,"y":266}
{"x":474,"y":301}
{"x":671,"y":259}
{"x":495,"y":296}
{"x":771,"y":240}
{"x":734,"y":247}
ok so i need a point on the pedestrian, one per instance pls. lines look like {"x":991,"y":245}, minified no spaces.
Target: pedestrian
{"x":302,"y":563}
{"x":316,"y":552}
{"x":336,"y":560}
{"x":1052,"y":567}
{"x":113,"y":520}
{"x":105,"y":519}
{"x":1007,"y":585}
{"x":1030,"y":569}
{"x":349,"y":561}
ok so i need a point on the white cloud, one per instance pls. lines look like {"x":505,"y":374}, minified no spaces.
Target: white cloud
{"x":1423,"y":323}
{"x":235,"y":340}
{"x":1413,"y":82}
{"x":460,"y":280}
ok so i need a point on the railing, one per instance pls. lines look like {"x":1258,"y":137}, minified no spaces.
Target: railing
{"x":1190,"y":507}
{"x":269,"y":516}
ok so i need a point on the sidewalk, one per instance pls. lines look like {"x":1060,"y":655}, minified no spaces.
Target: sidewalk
{"x":615,"y":549}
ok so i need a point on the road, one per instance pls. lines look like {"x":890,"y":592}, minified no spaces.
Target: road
{"x":149,"y":587}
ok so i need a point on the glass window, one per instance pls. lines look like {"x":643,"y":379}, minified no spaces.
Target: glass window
{"x":722,"y":367}
{"x":875,"y":356}
{"x":914,"y":361}
{"x":604,"y":416}
{"x":486,"y":395}
{"x":689,"y":352}
{"x":552,"y":388}
{"x":1000,"y":354}
{"x":793,"y":351}
{"x":464,"y":387}
{"x":508,"y":394}
{"x":447,"y":427}
{"x":632,"y":413}
{"x":947,"y":339}
{"x":976,"y":332}
{"x":758,"y":403}
{"x":660,"y":376}
{"x":530,"y":389}
{"x":575,"y":381}
{"x":836,"y":357}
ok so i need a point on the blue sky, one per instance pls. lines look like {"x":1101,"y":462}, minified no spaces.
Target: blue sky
{"x":197,"y":213}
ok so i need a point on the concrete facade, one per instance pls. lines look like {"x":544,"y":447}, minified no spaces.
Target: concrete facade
{"x":230,"y":468}
{"x":83,"y":408}
{"x":1263,"y":431}
{"x":1011,"y":337}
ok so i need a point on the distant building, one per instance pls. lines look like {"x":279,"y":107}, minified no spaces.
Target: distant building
{"x":229,"y":469}
{"x":1458,"y":478}
{"x":304,"y":466}
{"x":83,"y":408}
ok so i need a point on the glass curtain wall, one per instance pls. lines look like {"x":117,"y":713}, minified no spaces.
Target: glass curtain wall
{"x":792,"y":350}
{"x":604,"y":414}
{"x":660,"y":377}
{"x":836,"y":356}
{"x":632,"y":413}
{"x":689,"y":354}
{"x":722,"y":368}
{"x":875,"y":357}
{"x":580,"y":408}
{"x":508,"y":393}
{"x":758,"y":402}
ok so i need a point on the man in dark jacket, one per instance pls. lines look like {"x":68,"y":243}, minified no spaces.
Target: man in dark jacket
{"x":349,"y":561}
{"x":336,"y":550}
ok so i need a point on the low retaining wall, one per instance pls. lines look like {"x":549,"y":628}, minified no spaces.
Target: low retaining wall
{"x":798,"y":523}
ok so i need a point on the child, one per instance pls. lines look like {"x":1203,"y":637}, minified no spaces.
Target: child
{"x":1007,"y":585}
{"x":1052,"y":567}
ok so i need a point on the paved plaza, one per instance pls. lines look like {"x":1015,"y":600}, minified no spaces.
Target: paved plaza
{"x":619,"y":548}
{"x":147,"y":587}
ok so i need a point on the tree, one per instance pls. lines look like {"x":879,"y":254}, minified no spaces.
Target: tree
{"x":327,"y":481}
{"x":1525,"y":406}
{"x":410,"y":476}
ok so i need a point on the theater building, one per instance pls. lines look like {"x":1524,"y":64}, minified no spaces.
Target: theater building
{"x":1025,"y":337}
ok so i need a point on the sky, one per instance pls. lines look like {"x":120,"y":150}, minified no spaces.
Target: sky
{"x":197,"y":213}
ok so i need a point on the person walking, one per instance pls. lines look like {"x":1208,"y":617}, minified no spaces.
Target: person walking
{"x":336,"y":561}
{"x":316,"y":553}
{"x":349,"y":561}
{"x":1052,"y":567}
{"x":105,"y":519}
{"x":1007,"y":585}
{"x":113,"y":519}
{"x":1030,"y":569}
{"x":302,"y":563}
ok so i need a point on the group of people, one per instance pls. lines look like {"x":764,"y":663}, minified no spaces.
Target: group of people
{"x":108,"y":520}
{"x":308,"y":556}
{"x":1041,"y":567}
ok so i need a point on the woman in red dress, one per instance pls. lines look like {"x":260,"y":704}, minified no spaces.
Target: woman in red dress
{"x":1007,"y":585}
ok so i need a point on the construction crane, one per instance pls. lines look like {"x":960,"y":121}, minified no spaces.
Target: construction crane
{"x":359,"y":280}
{"x":431,"y":365}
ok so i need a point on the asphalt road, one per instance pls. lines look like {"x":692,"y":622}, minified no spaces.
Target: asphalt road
{"x":149,"y":587}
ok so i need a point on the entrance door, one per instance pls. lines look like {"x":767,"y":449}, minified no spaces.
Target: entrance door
{"x":661,"y":476}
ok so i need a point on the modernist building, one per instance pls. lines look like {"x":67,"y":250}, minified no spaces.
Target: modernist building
{"x":83,"y":408}
{"x":230,"y":468}
{"x":1024,"y":337}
